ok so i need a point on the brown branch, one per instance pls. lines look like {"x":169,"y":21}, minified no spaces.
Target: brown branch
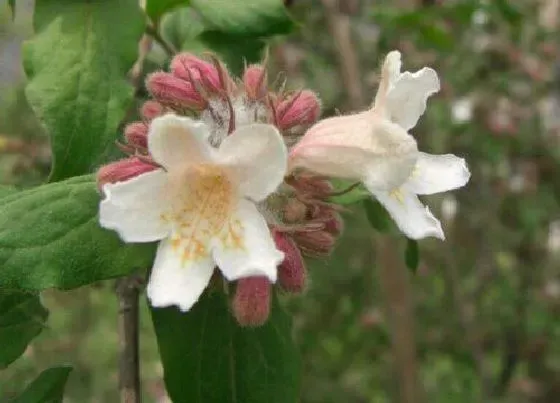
{"x":340,"y":30}
{"x":127,"y":290}
{"x":394,"y":280}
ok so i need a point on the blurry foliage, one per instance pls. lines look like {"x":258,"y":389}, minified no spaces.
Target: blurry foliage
{"x":487,"y":300}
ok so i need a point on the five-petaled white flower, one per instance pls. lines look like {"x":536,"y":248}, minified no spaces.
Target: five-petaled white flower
{"x":374,"y":147}
{"x":201,"y":206}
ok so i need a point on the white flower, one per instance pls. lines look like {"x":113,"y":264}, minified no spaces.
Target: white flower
{"x":201,"y":205}
{"x":375,"y":148}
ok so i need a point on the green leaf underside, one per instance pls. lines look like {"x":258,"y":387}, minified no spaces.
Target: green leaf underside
{"x":412,"y":255}
{"x":50,"y":237}
{"x":48,"y":387}
{"x":187,"y":32}
{"x":377,"y":215}
{"x":156,"y":8}
{"x":76,"y":65}
{"x":250,"y":18}
{"x":208,"y":358}
{"x":22,"y":317}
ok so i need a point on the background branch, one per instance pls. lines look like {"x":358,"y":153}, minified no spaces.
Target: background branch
{"x":127,"y":290}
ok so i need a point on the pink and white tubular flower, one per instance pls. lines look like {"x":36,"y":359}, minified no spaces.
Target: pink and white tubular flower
{"x":201,"y":206}
{"x":374,"y":147}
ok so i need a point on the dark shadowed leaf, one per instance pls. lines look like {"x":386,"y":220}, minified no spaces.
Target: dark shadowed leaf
{"x":77,"y":64}
{"x":377,"y":215}
{"x":48,"y":387}
{"x":412,"y":255}
{"x":50,"y":237}
{"x":208,"y":358}
{"x":22,"y":317}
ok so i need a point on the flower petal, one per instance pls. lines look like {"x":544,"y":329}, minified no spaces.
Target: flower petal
{"x":174,"y":281}
{"x":246,"y":248}
{"x":364,"y":146}
{"x":175,"y":140}
{"x":438,"y":173}
{"x":258,"y":157}
{"x":134,"y":208}
{"x":406,"y":99}
{"x":410,"y":215}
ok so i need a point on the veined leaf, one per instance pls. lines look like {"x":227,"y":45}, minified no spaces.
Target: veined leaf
{"x":208,"y":358}
{"x":22,"y":317}
{"x":76,"y":65}
{"x":50,"y":237}
{"x":48,"y":387}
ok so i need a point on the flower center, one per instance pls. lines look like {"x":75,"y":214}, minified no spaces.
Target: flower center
{"x":202,"y":201}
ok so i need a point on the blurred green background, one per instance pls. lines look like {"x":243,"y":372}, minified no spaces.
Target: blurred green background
{"x":479,"y":319}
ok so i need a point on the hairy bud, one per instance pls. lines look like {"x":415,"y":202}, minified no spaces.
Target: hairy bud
{"x":168,"y":89}
{"x":251,"y":303}
{"x":302,"y":108}
{"x":151,"y":110}
{"x":291,"y":272}
{"x":122,"y":170}
{"x":294,"y":211}
{"x":191,"y":68}
{"x":315,"y":243}
{"x":255,"y":82}
{"x":136,"y":134}
{"x":312,"y":186}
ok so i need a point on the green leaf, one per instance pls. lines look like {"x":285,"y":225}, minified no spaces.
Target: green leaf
{"x":22,"y":317}
{"x":12,"y":5}
{"x":6,"y":190}
{"x":181,"y":28}
{"x":412,"y":255}
{"x":208,"y":358}
{"x":48,"y":387}
{"x":234,"y":51}
{"x":77,"y":65}
{"x":251,"y":18}
{"x":350,"y":194}
{"x":156,"y":8}
{"x":376,"y":215}
{"x":50,"y":237}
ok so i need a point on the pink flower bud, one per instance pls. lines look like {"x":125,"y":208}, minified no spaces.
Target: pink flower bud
{"x":122,"y":170}
{"x":251,"y":303}
{"x":168,"y":89}
{"x":255,"y":81}
{"x":312,"y":186}
{"x":151,"y":110}
{"x":334,"y":225}
{"x":191,"y":68}
{"x":315,"y":243}
{"x":291,"y":272}
{"x":302,"y":108}
{"x":295,"y":211}
{"x":136,"y":134}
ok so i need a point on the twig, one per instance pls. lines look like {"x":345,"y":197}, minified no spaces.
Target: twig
{"x":340,"y":29}
{"x":169,"y":49}
{"x":394,"y":280}
{"x":127,"y":290}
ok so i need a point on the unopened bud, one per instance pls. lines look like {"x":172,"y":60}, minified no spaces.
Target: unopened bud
{"x":302,"y":108}
{"x":136,"y":134}
{"x":169,"y":89}
{"x":255,"y":81}
{"x":315,"y":243}
{"x":294,"y":211}
{"x":313,"y":186}
{"x":151,"y":110}
{"x":291,"y":272}
{"x":122,"y":170}
{"x":251,"y":303}
{"x":191,"y":68}
{"x":333,"y":222}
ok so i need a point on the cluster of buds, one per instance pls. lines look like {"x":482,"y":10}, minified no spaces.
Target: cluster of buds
{"x":303,"y":222}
